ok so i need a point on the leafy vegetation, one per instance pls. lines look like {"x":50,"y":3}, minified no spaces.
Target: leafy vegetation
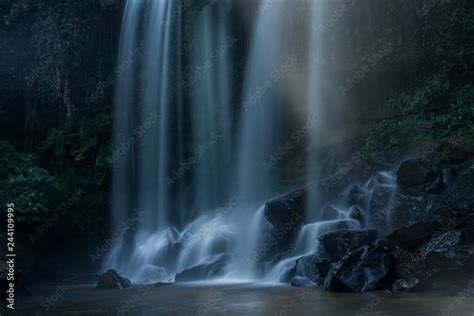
{"x":438,"y":103}
{"x":454,"y":120}
{"x":33,"y":189}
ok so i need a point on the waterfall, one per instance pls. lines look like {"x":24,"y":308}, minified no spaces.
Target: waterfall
{"x":192,"y":169}
{"x":172,"y":140}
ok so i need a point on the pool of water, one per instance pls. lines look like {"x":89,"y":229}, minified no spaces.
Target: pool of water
{"x":73,"y":298}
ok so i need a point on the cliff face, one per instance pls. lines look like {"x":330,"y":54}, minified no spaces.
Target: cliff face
{"x":398,"y":78}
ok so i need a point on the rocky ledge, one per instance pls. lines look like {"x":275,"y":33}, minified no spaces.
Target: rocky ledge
{"x":112,"y":280}
{"x":430,"y":247}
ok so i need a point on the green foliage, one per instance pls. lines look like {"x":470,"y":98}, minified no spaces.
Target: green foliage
{"x":390,"y":135}
{"x":420,"y":98}
{"x":453,"y":120}
{"x":457,"y":122}
{"x":33,"y":189}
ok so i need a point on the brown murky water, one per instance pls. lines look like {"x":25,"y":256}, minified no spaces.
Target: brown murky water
{"x":236,"y":299}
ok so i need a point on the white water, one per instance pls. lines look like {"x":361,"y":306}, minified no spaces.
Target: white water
{"x":194,"y":178}
{"x":176,"y":169}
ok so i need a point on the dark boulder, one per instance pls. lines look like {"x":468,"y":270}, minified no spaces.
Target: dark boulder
{"x":206,"y":271}
{"x":392,"y":208}
{"x":337,"y":244}
{"x":368,"y":268}
{"x":380,"y":204}
{"x":329,"y":212}
{"x":468,"y":233}
{"x":446,"y":261}
{"x":461,"y":193}
{"x":302,"y":282}
{"x":356,"y":195}
{"x":314,"y":267}
{"x":411,"y":237}
{"x":402,"y":285}
{"x":414,"y":173}
{"x":288,"y":208}
{"x":112,"y":280}
{"x":357,"y":214}
{"x":338,"y":224}
{"x":286,"y":216}
{"x":446,"y":252}
{"x":287,"y":275}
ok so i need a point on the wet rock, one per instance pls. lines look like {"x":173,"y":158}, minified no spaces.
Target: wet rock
{"x":357,"y":214}
{"x":445,"y":252}
{"x":314,"y":267}
{"x":437,"y":186}
{"x":381,"y":178}
{"x":411,"y":237}
{"x":446,"y":261}
{"x":402,"y":285}
{"x":287,"y":208}
{"x":329,"y":212}
{"x":461,"y":193}
{"x":392,"y":208}
{"x":368,"y":268}
{"x":339,"y":224}
{"x":172,"y":253}
{"x":287,"y":275}
{"x":112,"y":280}
{"x":380,"y":205}
{"x":302,"y":282}
{"x":440,"y":263}
{"x":414,"y":173}
{"x":286,"y":216}
{"x":468,"y":233}
{"x":213,"y":269}
{"x":337,"y":244}
{"x":356,"y":195}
